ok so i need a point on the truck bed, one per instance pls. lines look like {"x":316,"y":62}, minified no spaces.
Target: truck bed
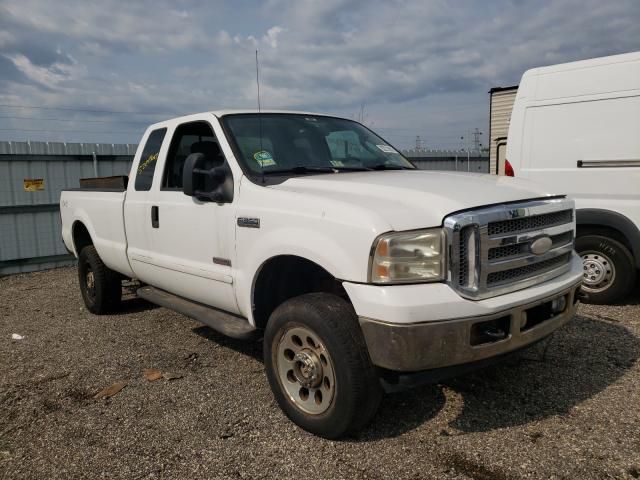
{"x":101,"y":212}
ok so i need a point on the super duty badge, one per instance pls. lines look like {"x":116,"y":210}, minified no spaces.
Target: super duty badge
{"x":249,"y":222}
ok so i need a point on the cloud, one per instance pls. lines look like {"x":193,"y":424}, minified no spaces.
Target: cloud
{"x":403,"y":51}
{"x":94,"y":49}
{"x":271,"y":37}
{"x":148,"y":26}
{"x":6,"y":39}
{"x":421,"y":67}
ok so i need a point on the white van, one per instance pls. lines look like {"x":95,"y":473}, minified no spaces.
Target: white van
{"x":575,"y":128}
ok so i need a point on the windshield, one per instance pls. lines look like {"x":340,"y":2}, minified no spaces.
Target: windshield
{"x":275,"y":143}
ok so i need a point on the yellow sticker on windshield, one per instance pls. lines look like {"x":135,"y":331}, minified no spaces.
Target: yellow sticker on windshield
{"x":264,"y":158}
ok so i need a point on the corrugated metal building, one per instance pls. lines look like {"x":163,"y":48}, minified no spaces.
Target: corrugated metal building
{"x":32,"y":174}
{"x":500,"y":106}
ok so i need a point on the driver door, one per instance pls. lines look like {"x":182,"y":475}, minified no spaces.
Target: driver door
{"x":192,"y":241}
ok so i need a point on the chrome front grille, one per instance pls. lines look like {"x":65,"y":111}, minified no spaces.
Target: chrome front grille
{"x":491,"y":248}
{"x":519,"y":249}
{"x":516,"y":274}
{"x":535,"y":222}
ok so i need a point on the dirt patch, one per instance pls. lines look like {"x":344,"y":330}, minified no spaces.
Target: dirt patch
{"x":567,"y":408}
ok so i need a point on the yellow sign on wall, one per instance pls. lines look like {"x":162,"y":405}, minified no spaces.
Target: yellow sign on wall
{"x":33,"y":184}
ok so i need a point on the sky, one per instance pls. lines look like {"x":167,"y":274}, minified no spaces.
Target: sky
{"x":89,"y":71}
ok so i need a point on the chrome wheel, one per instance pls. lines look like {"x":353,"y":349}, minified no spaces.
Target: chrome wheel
{"x":305,"y":370}
{"x":598,"y":272}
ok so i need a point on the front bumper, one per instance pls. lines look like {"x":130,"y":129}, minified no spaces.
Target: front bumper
{"x":431,"y":345}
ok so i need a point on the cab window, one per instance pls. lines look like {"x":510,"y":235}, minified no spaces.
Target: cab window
{"x":194,"y":137}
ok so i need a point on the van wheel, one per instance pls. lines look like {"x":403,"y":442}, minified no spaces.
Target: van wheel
{"x":608,"y":269}
{"x":101,"y":287}
{"x":318,"y":365}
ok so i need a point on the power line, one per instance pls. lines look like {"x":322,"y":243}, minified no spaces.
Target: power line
{"x":412,"y":130}
{"x":402,"y":135}
{"x":396,"y":128}
{"x":142,"y":122}
{"x":73,"y":109}
{"x":130,"y":132}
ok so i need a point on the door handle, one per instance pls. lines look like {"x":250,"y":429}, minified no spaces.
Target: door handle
{"x":155,"y":217}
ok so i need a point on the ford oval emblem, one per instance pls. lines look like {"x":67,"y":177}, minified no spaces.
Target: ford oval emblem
{"x":541,"y":245}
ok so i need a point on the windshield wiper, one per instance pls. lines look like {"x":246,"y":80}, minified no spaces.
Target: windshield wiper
{"x":300,"y":169}
{"x":315,"y":169}
{"x":383,"y":166}
{"x":352,"y":169}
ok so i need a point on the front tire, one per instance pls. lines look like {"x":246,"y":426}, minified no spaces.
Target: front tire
{"x":608,"y":269}
{"x":318,"y":365}
{"x":101,"y":287}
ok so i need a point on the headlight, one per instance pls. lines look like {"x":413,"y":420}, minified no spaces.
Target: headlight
{"x":408,"y":257}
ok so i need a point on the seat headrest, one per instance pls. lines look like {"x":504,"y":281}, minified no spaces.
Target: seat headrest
{"x":210,"y":149}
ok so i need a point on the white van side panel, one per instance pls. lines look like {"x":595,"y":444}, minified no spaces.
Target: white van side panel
{"x":581,"y":111}
{"x":558,"y":136}
{"x":618,"y":74}
{"x":562,"y":134}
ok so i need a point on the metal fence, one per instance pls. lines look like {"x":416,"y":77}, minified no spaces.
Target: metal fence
{"x":32,"y":174}
{"x":448,"y":160}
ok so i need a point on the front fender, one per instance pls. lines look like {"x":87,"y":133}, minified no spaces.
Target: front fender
{"x":344,"y":259}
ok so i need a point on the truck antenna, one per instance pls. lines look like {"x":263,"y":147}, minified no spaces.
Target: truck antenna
{"x":260,"y":162}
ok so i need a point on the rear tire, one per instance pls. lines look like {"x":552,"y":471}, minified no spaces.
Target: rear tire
{"x":318,"y":365}
{"x":609,"y":271}
{"x":101,"y":287}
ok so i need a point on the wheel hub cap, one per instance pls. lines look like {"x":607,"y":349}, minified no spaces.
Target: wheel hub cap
{"x":598,"y":272}
{"x":305,"y":370}
{"x":594,"y":271}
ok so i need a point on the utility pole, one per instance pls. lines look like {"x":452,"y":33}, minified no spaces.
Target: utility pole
{"x":476,"y":139}
{"x":418,"y":143}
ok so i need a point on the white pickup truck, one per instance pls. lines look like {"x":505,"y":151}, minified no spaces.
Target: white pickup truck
{"x":360,"y":272}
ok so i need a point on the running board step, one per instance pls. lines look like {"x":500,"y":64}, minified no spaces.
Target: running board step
{"x":222,"y":322}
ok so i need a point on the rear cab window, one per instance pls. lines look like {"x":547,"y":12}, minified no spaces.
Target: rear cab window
{"x":148,"y":160}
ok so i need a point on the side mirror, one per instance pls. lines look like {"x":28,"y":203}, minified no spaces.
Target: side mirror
{"x":206,"y":184}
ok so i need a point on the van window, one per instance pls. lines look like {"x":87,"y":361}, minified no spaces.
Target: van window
{"x":194,"y":137}
{"x":148,"y":160}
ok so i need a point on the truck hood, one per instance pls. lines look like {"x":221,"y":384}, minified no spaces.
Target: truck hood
{"x":409,"y":199}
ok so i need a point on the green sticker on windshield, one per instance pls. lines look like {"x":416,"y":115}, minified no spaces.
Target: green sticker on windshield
{"x":264,"y":158}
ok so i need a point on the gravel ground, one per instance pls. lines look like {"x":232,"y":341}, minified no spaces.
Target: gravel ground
{"x":567,"y":408}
